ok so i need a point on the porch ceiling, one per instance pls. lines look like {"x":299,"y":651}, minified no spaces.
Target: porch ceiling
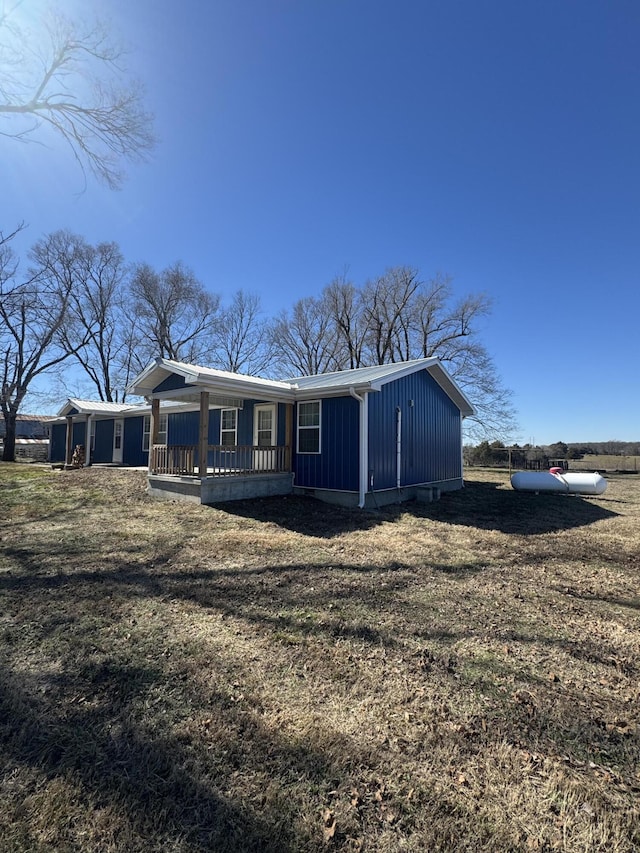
{"x":191,"y":394}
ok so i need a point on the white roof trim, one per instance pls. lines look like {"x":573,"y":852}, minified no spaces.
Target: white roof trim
{"x":225,"y":384}
{"x":94,"y":407}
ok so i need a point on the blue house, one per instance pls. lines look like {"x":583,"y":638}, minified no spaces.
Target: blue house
{"x":360,"y":437}
{"x":109,"y":433}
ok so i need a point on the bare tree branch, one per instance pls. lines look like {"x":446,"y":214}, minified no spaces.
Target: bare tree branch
{"x":32,"y":313}
{"x":397,"y":317}
{"x":304,"y":339}
{"x":77,"y":86}
{"x":241,"y":343}
{"x":175,"y":314}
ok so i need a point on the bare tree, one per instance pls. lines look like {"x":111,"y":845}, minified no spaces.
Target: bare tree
{"x":344,"y":306}
{"x":241,"y":343}
{"x":398,"y":317}
{"x":174,"y":314}
{"x":32,"y":312}
{"x":97,"y":313}
{"x":387,"y":308}
{"x":305,"y":340}
{"x":70,"y":78}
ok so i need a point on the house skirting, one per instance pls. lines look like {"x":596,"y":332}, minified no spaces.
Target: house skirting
{"x":219,"y":489}
{"x":422,"y":492}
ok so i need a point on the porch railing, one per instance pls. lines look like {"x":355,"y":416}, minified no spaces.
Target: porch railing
{"x":222,"y":460}
{"x":176,"y":459}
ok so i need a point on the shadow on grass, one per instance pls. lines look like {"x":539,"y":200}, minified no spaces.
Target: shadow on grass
{"x":146,"y":741}
{"x":303,"y":515}
{"x":481,"y":505}
{"x":488,"y":507}
{"x":126,"y":780}
{"x":341,"y":600}
{"x":632,"y":603}
{"x":163,"y":796}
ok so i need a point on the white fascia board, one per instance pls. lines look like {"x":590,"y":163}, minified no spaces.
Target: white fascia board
{"x":230,"y":390}
{"x":241,"y":385}
{"x":154,"y":373}
{"x":439,"y":374}
{"x":324,"y":393}
{"x":450,"y":387}
{"x":187,"y":399}
{"x":401,"y":371}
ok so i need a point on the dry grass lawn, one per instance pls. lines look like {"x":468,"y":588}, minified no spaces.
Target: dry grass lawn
{"x":286,"y":676}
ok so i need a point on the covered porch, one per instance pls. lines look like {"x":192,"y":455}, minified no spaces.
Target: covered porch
{"x":225,"y":411}
{"x":233,"y":472}
{"x":222,"y":460}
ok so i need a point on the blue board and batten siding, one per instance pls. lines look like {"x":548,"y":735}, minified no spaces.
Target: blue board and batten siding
{"x":430,"y":448}
{"x":57,"y":442}
{"x":336,"y":466}
{"x":132,"y":452}
{"x":430,"y":451}
{"x":183,"y":427}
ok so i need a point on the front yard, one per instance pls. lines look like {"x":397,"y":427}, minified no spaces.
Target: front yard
{"x":280,"y":675}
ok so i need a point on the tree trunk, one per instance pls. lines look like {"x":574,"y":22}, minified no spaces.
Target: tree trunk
{"x":9,"y":449}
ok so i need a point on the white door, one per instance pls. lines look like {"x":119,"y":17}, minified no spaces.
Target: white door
{"x":264,"y":435}
{"x":118,"y":433}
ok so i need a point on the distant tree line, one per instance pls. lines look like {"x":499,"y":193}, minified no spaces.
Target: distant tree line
{"x":72,"y":302}
{"x":497,"y":454}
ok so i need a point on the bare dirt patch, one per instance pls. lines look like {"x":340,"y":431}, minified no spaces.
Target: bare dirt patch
{"x":280,"y":675}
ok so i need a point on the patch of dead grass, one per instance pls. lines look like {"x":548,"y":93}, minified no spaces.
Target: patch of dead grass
{"x":281,"y":675}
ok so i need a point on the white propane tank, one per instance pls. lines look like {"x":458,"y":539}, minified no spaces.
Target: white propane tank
{"x":545,"y":481}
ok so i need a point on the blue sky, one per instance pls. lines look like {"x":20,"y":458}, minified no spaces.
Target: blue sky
{"x":497,"y":142}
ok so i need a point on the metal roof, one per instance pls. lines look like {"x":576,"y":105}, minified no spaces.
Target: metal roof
{"x":94,"y":407}
{"x":373,"y":378}
{"x":99,"y":409}
{"x":358,"y":376}
{"x":223,"y":384}
{"x":228,"y":386}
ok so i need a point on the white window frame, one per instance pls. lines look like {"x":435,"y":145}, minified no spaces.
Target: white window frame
{"x":317,"y":427}
{"x":92,"y":435}
{"x":226,"y":430}
{"x":162,"y":430}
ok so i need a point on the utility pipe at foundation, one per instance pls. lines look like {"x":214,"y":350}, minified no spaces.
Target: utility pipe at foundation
{"x":363,"y":454}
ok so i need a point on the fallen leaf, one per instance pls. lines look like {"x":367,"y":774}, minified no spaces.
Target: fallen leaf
{"x":329,"y":828}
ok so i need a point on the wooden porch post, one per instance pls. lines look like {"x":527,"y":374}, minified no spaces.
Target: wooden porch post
{"x":288,"y":432}
{"x":153,"y":429}
{"x":69,"y":448}
{"x":87,"y":442}
{"x":203,"y":438}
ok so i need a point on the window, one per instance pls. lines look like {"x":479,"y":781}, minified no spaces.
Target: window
{"x":228,"y":427}
{"x":162,"y":429}
{"x":264,"y":436}
{"x":92,"y":436}
{"x":146,"y":431}
{"x":309,"y":427}
{"x":117,"y":438}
